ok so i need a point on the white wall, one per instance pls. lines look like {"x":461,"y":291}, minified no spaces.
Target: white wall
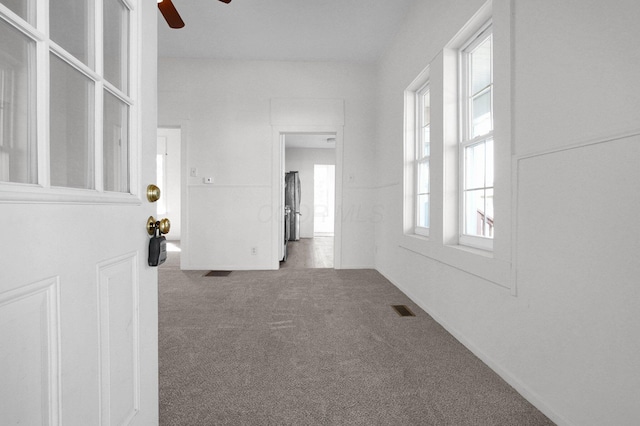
{"x":303,"y":160}
{"x":566,"y":333}
{"x":224,"y":110}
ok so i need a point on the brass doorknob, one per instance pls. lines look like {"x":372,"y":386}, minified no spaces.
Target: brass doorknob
{"x":153,"y":193}
{"x":163,"y":225}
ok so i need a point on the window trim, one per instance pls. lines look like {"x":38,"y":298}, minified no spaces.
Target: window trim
{"x":420,"y":158}
{"x":443,"y":246}
{"x":410,"y":144}
{"x":484,"y":31}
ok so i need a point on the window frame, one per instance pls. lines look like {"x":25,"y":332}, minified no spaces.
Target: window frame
{"x":410,"y":169}
{"x":443,"y":245}
{"x":484,"y":32}
{"x":38,"y":32}
{"x":419,"y":159}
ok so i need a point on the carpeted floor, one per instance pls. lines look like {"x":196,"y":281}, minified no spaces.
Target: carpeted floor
{"x":316,"y":347}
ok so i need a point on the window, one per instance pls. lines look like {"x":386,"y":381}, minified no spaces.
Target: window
{"x":476,"y":155}
{"x":422,"y":165}
{"x":65,"y":117}
{"x":460,"y":124}
{"x":18,"y":161}
{"x":417,"y":151}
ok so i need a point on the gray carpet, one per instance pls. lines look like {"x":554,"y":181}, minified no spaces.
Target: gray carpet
{"x":316,"y":347}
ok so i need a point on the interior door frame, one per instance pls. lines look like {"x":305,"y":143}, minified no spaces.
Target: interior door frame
{"x":277,"y":225}
{"x":183,"y":125}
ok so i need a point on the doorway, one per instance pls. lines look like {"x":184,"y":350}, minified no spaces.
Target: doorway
{"x":310,"y":222}
{"x":168,"y":178}
{"x":324,"y":194}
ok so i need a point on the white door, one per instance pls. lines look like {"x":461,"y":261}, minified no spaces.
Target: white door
{"x":78,"y":302}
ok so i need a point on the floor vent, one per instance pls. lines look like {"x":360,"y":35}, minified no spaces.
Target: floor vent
{"x":403,"y":311}
{"x":218,"y":274}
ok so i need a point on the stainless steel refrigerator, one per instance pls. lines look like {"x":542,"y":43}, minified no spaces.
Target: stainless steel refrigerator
{"x":292,"y":201}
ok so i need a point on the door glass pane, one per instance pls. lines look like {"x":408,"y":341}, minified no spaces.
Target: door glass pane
{"x":71,"y":26}
{"x":26,"y":9}
{"x":116,"y":44}
{"x":474,"y":166}
{"x":18,"y":159}
{"x":71,"y":127}
{"x":423,"y":210}
{"x":481,"y":114}
{"x":481,"y":66}
{"x":116,"y":144}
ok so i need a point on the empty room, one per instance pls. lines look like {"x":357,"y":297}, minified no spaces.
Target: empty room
{"x":356,"y":212}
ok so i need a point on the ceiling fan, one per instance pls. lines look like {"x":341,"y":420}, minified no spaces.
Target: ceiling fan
{"x":171,"y":15}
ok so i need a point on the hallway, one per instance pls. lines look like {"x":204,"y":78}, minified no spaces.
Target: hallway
{"x":310,"y":253}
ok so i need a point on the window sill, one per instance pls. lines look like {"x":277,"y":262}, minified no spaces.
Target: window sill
{"x":477,"y":262}
{"x":473,"y":250}
{"x":416,"y":243}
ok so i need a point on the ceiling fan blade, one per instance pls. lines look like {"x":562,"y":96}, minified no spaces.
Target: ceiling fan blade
{"x":226,"y":1}
{"x":170,"y":14}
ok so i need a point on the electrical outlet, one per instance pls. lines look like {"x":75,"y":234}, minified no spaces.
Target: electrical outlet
{"x":194,"y":172}
{"x":207,"y":180}
{"x":254,"y":251}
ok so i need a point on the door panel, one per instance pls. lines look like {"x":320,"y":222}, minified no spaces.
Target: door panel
{"x":119,"y":339}
{"x":78,"y":302}
{"x":29,"y":315}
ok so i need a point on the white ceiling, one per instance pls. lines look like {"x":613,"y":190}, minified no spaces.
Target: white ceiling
{"x":309,"y":30}
{"x":304,"y":140}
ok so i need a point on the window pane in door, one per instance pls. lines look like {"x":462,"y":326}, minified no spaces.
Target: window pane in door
{"x":115,"y":144}
{"x":116,"y":42}
{"x":71,"y":127}
{"x":18,"y":159}
{"x":26,"y":9}
{"x":71,"y":26}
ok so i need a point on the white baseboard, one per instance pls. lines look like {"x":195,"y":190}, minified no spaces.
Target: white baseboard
{"x":506,"y":375}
